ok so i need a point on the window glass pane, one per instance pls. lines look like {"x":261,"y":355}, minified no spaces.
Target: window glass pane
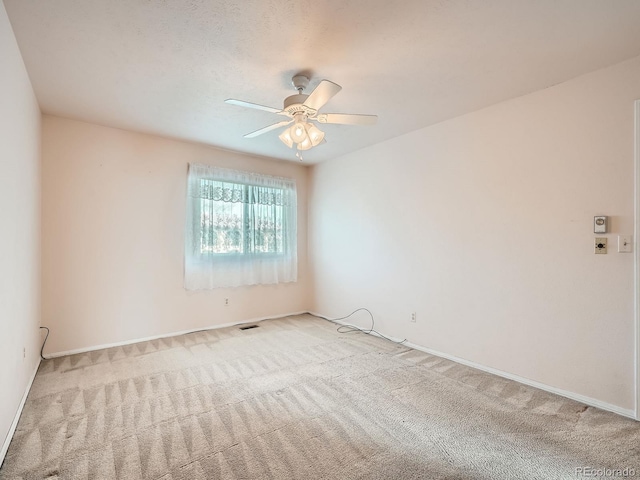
{"x":222,"y":227}
{"x":266,"y":228}
{"x":241,"y":219}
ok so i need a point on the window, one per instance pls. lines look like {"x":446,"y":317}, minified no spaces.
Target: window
{"x":241,"y":229}
{"x":239,"y":219}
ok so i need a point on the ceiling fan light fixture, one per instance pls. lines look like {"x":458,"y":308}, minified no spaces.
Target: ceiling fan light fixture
{"x":298,"y":132}
{"x":315,"y":134}
{"x":303,"y":134}
{"x":305,"y":144}
{"x":286,"y":138}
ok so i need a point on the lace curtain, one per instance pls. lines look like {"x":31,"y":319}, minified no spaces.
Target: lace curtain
{"x":240,"y":229}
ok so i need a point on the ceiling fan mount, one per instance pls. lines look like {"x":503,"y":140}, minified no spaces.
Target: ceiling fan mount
{"x":300,"y":82}
{"x":302,"y":109}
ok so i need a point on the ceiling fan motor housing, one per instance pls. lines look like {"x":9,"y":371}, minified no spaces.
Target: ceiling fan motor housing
{"x":295,"y":104}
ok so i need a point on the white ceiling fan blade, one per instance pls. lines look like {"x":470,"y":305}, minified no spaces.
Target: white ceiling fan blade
{"x":347,"y":119}
{"x":267,"y":129}
{"x":324,"y":92}
{"x":241,"y":103}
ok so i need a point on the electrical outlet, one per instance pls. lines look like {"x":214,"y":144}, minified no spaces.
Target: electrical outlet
{"x":226,"y":302}
{"x":600,"y":245}
{"x":413,"y":317}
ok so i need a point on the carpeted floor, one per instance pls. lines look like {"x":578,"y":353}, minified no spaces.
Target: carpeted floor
{"x":294,"y":399}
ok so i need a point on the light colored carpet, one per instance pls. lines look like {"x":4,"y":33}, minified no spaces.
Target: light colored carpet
{"x":294,"y":399}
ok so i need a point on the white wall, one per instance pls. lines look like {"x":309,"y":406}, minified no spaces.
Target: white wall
{"x":483,"y":226}
{"x":113,"y":227}
{"x":19,"y":228}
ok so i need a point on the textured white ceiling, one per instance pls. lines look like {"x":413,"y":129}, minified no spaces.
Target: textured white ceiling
{"x":166,"y":66}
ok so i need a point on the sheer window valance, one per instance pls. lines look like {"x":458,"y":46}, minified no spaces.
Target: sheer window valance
{"x":240,"y":229}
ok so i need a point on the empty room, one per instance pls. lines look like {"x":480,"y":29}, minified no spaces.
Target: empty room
{"x":275,"y":239}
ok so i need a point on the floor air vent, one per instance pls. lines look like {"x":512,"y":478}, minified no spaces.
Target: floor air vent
{"x":248,"y":327}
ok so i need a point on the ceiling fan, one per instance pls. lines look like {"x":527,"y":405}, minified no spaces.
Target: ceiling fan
{"x":302,"y":109}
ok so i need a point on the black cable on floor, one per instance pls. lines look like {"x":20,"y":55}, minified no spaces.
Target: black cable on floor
{"x":43,"y":343}
{"x":348,"y":328}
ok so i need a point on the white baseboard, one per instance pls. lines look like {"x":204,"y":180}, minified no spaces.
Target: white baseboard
{"x":14,"y":424}
{"x":532,"y":383}
{"x":510,"y":376}
{"x":165,"y":335}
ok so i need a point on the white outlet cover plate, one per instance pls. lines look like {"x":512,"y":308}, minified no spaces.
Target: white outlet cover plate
{"x":600,"y":245}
